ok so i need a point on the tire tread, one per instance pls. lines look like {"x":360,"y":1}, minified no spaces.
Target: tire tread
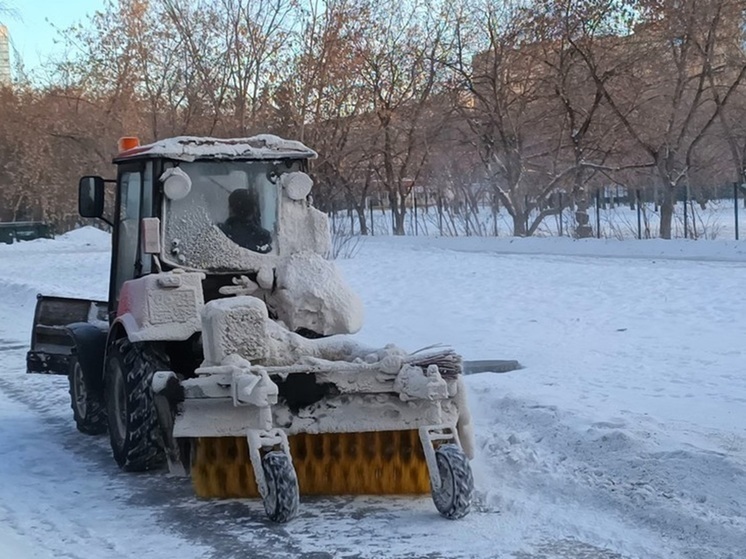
{"x":94,"y":422}
{"x":142,"y":449}
{"x":460,"y":478}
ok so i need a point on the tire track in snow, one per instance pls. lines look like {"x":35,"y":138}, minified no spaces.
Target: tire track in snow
{"x":221,"y":529}
{"x":684,"y":501}
{"x":115,"y":503}
{"x":59,"y":496}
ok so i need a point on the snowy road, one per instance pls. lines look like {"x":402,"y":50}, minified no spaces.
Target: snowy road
{"x":622,"y":438}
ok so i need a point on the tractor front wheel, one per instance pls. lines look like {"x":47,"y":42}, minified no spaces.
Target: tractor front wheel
{"x":281,"y":500}
{"x":453,"y":498}
{"x":133,"y":421}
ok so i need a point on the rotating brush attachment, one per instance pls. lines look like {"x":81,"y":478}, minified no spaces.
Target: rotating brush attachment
{"x":375,"y":463}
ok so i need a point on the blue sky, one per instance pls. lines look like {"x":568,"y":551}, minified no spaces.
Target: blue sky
{"x":31,"y":28}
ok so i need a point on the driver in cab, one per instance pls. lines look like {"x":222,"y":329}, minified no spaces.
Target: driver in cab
{"x":243,"y":225}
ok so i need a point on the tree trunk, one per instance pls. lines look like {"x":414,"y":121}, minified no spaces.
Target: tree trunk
{"x":399,"y":215}
{"x":667,"y":212}
{"x":16,"y":208}
{"x":583,"y":229}
{"x":519,"y":224}
{"x":398,"y":211}
{"x":361,"y":219}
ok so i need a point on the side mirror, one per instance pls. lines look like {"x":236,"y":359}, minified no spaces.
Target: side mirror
{"x":91,"y":197}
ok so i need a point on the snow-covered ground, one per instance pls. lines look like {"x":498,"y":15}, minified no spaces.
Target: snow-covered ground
{"x":623,"y":436}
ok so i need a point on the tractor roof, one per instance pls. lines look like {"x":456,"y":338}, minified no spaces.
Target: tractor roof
{"x":190,"y":148}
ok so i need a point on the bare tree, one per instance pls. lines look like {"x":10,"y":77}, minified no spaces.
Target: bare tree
{"x":665,"y":102}
{"x":324,"y":101}
{"x":502,"y":104}
{"x":725,"y":82}
{"x":258,"y":32}
{"x":586,"y":130}
{"x":208,"y":46}
{"x":401,"y":56}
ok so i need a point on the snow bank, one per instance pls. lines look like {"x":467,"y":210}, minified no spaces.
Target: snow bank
{"x":75,"y":264}
{"x":675,"y":249}
{"x":87,"y":236}
{"x":84,"y":239}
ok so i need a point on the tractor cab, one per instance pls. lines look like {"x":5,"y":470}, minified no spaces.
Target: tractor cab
{"x":221,"y":207}
{"x":193,"y":220}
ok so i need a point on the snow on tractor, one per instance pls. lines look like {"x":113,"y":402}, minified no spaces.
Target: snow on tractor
{"x":222,"y":349}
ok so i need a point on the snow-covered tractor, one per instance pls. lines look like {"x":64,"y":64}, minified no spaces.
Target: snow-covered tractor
{"x":222,"y":349}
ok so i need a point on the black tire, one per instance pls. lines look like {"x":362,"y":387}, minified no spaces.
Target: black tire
{"x":133,"y":422}
{"x":453,"y":498}
{"x":89,"y":410}
{"x":281,"y":501}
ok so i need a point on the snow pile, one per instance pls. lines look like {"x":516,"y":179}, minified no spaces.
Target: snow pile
{"x":311,"y":294}
{"x":84,"y":239}
{"x":75,"y":264}
{"x":86,"y":236}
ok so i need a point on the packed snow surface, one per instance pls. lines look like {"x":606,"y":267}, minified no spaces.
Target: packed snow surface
{"x":622,"y":437}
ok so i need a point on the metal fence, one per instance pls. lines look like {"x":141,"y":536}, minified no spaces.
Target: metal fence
{"x":632,"y":216}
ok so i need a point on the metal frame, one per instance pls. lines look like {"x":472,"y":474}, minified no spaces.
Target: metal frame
{"x":436,"y":434}
{"x":268,"y":439}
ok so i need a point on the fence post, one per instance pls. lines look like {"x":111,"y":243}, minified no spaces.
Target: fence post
{"x":598,"y":213}
{"x":414,"y":203}
{"x":735,"y":205}
{"x":525,"y":211}
{"x":467,"y":211}
{"x":639,"y":214}
{"x":440,"y":214}
{"x":560,"y":213}
{"x":694,"y":219}
{"x":686,"y":216}
{"x":393,"y":218}
{"x":372,"y":223}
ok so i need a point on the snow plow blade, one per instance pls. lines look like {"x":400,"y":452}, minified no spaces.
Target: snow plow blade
{"x":51,"y":340}
{"x":371,"y":463}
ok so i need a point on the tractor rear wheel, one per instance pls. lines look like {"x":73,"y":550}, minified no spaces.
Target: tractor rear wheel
{"x":453,"y":498}
{"x":281,"y":500}
{"x":133,"y":421}
{"x":88,"y":406}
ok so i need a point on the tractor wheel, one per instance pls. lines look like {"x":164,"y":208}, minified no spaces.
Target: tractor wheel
{"x":133,"y":421}
{"x":453,"y":498}
{"x":281,"y":500}
{"x":88,"y":407}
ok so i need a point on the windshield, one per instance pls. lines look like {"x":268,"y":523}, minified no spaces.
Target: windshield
{"x":229,"y":217}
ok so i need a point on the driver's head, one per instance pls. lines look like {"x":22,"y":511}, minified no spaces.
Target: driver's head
{"x":244,"y":204}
